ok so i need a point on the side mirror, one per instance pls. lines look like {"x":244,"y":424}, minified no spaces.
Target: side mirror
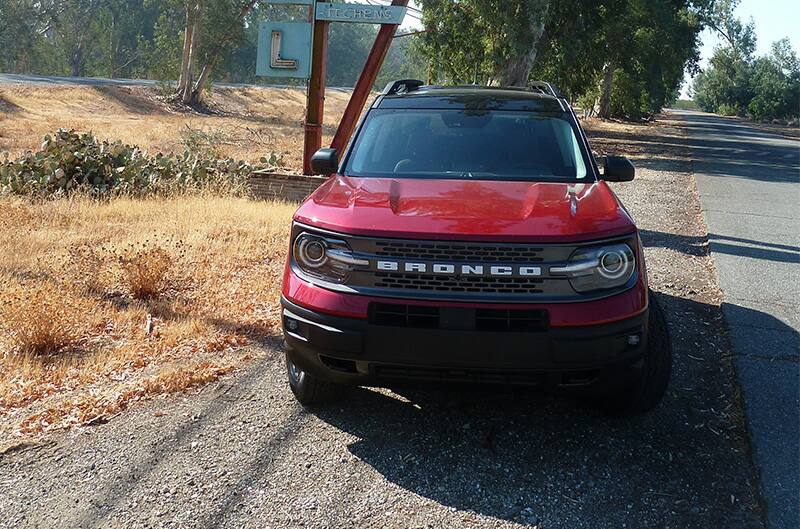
{"x":617,"y":169}
{"x":325,"y":161}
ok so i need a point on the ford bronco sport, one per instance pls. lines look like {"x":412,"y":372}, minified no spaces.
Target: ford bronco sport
{"x":467,"y":234}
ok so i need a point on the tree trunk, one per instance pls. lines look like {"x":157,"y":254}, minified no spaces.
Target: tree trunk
{"x":111,"y":47}
{"x":194,"y":50}
{"x":199,"y":86}
{"x":604,"y":102}
{"x":191,"y":92}
{"x":186,"y":67}
{"x":76,"y":62}
{"x":518,"y":69}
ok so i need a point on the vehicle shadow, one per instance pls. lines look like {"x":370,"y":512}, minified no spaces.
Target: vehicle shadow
{"x":516,"y":455}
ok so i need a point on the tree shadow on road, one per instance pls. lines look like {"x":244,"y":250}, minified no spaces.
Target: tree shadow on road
{"x":698,"y":246}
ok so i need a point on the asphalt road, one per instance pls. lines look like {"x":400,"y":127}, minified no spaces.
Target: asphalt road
{"x":749,"y":183}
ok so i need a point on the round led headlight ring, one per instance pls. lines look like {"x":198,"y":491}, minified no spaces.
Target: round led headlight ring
{"x":312,"y":252}
{"x":613,"y":264}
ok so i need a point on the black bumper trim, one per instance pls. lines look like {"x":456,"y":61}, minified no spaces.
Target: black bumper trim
{"x":354,"y":350}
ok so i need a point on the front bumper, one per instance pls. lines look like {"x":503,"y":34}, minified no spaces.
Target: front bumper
{"x":366,"y":351}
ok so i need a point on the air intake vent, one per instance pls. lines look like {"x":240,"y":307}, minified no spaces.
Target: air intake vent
{"x":511,"y":320}
{"x":488,"y":320}
{"x":391,"y":315}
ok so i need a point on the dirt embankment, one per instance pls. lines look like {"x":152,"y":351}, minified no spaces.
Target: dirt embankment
{"x":242,"y":123}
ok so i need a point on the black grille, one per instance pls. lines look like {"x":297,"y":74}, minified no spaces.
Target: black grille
{"x":511,"y":320}
{"x":431,"y":317}
{"x":477,"y":284}
{"x":404,"y":315}
{"x":406,"y":269}
{"x":481,"y":253}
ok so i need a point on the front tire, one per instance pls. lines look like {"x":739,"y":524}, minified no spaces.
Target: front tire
{"x":309,"y":390}
{"x":645,"y":391}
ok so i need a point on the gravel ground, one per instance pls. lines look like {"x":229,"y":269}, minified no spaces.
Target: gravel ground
{"x":242,"y":453}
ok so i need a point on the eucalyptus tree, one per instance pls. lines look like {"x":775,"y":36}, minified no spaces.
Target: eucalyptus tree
{"x":491,"y":41}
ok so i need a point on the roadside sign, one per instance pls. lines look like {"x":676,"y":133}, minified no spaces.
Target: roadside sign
{"x":365,"y":14}
{"x":284,"y":49}
{"x":300,"y":50}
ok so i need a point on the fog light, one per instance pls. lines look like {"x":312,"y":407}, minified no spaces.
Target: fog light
{"x":292,"y":325}
{"x":634,"y":339}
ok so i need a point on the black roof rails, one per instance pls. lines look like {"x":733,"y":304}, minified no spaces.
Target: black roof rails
{"x":546,"y":88}
{"x":402,"y":86}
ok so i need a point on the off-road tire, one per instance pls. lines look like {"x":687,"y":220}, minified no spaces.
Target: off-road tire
{"x":309,"y":390}
{"x":644,"y":392}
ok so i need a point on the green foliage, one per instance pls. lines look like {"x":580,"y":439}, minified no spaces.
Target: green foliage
{"x":643,"y":46}
{"x":573,"y":64}
{"x":68,"y":161}
{"x":775,"y":84}
{"x":473,"y":40}
{"x":685,"y":104}
{"x":736,"y":84}
{"x":404,"y":61}
{"x":163,"y":53}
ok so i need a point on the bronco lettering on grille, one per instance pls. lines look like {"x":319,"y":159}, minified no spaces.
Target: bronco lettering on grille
{"x":458,"y":269}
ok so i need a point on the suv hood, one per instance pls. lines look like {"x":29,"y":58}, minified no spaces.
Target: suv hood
{"x":466,"y":209}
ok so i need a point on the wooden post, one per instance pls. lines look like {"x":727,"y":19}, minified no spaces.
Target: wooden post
{"x":364,"y":85}
{"x":315,"y":107}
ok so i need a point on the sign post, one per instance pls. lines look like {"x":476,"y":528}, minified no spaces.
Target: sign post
{"x":315,"y":106}
{"x":300,"y":50}
{"x":365,"y":82}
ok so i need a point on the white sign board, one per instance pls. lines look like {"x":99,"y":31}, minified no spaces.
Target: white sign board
{"x":365,"y":14}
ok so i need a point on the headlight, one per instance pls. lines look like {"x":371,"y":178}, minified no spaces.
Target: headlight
{"x":324,"y":258}
{"x":598,"y":268}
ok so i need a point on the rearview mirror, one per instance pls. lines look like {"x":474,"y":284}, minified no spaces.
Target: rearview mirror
{"x":325,"y":161}
{"x":617,"y":169}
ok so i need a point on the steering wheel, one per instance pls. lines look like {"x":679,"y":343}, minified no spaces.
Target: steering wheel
{"x":401,"y":164}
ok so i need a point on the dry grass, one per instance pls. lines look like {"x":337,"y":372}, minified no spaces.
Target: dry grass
{"x":244,"y":123}
{"x":37,"y":323}
{"x":144,"y":270}
{"x":102,"y":304}
{"x":108,"y":302}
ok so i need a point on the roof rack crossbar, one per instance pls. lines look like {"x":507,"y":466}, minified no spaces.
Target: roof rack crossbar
{"x":402,"y":86}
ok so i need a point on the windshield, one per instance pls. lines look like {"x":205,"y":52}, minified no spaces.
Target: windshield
{"x":499,"y":145}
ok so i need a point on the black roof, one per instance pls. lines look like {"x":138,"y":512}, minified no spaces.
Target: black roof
{"x":472,"y":97}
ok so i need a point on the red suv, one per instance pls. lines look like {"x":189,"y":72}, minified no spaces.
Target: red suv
{"x":468,"y":235}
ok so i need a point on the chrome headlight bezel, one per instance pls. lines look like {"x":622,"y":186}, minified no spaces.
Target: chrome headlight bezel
{"x":323,"y":258}
{"x":596,"y":268}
